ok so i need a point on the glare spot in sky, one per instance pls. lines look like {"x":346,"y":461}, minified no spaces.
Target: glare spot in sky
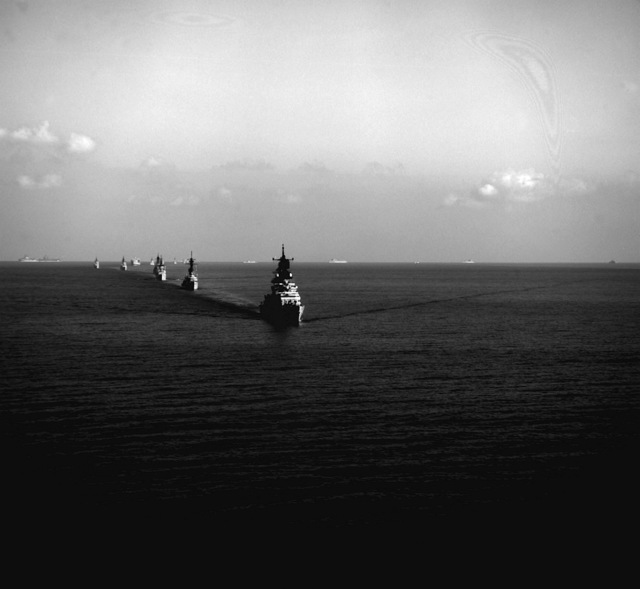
{"x":535,"y":70}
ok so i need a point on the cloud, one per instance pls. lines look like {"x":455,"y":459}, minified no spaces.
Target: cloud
{"x":575,"y":186}
{"x":27,"y":182}
{"x":39,"y":134}
{"x":151,"y":162}
{"x":47,"y":181}
{"x":517,"y":186}
{"x":192,"y":200}
{"x":488,"y":190}
{"x":452,"y":199}
{"x":314,"y":167}
{"x":287,"y":197}
{"x":42,"y":135}
{"x":378,"y":169}
{"x":255,"y":165}
{"x":224,"y":193}
{"x":80,"y":143}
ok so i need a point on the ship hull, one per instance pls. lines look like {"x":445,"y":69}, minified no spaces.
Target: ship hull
{"x":282,"y":315}
{"x":189,"y":284}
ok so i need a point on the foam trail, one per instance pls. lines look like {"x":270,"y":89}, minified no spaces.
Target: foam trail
{"x":436,"y":301}
{"x":231,"y":301}
{"x":535,"y":69}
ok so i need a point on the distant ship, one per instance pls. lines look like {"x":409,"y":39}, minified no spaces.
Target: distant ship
{"x":96,"y":263}
{"x":160,"y":270}
{"x":334,"y":261}
{"x":190,"y":281}
{"x":282,"y":307}
{"x":152,"y":262}
{"x":468,"y":262}
{"x":249,"y":262}
{"x":123,"y":264}
{"x":135,"y":261}
{"x":43,"y":259}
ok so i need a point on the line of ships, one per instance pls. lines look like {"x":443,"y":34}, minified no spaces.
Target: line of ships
{"x":281,"y":307}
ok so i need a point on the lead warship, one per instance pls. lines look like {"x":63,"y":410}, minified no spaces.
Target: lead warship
{"x":190,"y":281}
{"x":283,"y":306}
{"x":160,"y":270}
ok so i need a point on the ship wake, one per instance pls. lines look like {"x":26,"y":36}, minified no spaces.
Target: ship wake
{"x":434,"y":302}
{"x":230,"y":301}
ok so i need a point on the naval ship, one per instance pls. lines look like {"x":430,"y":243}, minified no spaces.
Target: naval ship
{"x":282,"y":307}
{"x":160,"y":270}
{"x":190,"y":281}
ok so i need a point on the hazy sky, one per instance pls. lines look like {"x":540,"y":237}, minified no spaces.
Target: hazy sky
{"x":405,"y":130}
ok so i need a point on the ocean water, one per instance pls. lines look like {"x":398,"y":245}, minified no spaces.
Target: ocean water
{"x":412,"y":394}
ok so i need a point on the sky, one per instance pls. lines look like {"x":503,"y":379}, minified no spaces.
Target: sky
{"x":412,"y":130}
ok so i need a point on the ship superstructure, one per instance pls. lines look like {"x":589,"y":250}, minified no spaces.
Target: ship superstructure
{"x":123,"y":264}
{"x":282,"y":306}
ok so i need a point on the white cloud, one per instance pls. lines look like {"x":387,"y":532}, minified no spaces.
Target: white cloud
{"x":80,"y":143}
{"x":151,"y":162}
{"x":488,"y":190}
{"x":258,"y":165}
{"x":517,"y":186}
{"x":378,"y":169}
{"x":288,"y":197}
{"x":42,"y":135}
{"x":39,"y":134}
{"x":50,"y":181}
{"x":225,"y":193}
{"x":315,"y":167}
{"x":452,"y":199}
{"x":47,"y":181}
{"x":575,"y":186}
{"x":192,"y":200}
{"x":27,"y":182}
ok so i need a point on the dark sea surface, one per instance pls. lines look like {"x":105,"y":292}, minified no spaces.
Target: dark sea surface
{"x":412,"y":394}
